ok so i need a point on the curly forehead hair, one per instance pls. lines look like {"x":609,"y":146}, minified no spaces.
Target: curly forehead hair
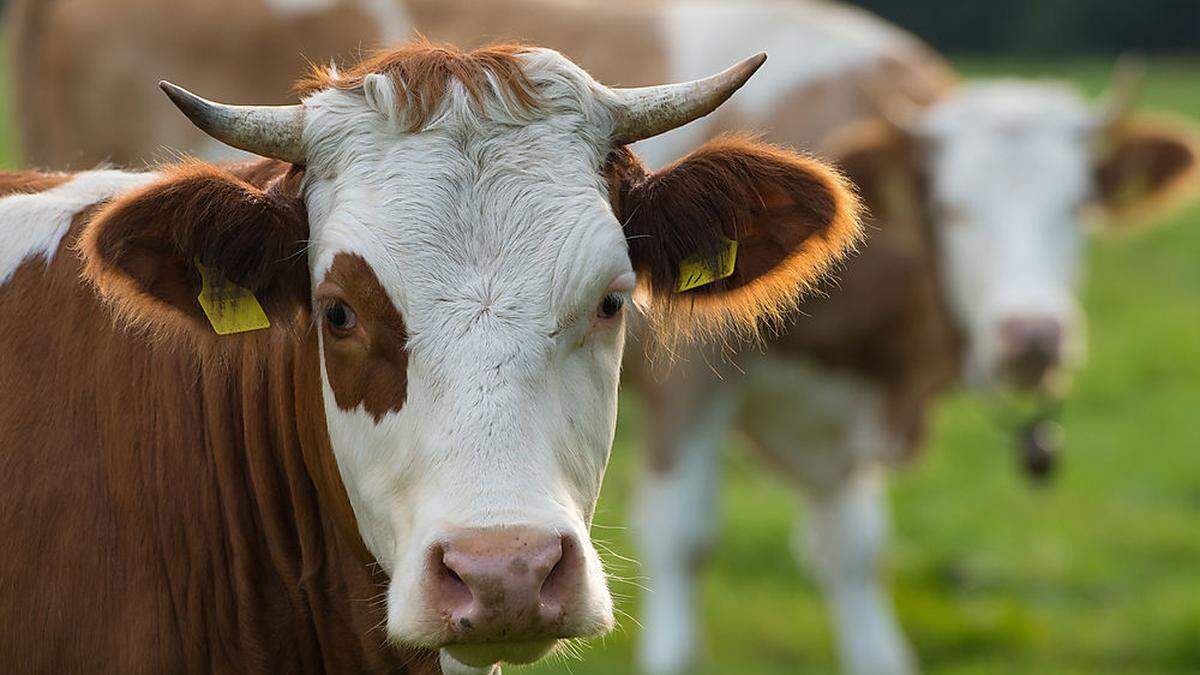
{"x":422,"y":73}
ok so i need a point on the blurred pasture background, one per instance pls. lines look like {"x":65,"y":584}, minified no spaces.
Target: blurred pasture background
{"x":1096,"y":573}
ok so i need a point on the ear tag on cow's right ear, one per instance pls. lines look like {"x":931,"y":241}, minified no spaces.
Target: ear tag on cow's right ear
{"x":229,"y":307}
{"x":695,"y":271}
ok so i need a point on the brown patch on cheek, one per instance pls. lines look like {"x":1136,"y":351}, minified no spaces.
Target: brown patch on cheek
{"x":370,"y":366}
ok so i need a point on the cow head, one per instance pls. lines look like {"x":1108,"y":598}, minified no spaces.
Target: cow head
{"x":1009,"y":175}
{"x":474,"y":228}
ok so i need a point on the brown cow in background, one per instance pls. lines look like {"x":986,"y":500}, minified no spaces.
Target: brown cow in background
{"x":970,"y":273}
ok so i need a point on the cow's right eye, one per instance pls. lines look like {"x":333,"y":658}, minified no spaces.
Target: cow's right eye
{"x":340,"y":319}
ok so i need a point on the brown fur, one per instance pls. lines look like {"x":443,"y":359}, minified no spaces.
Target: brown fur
{"x":1148,"y":169}
{"x":424,"y":71}
{"x":369,"y":367}
{"x":171,"y":511}
{"x":791,"y":216}
{"x":885,"y":318}
{"x":77,"y":110}
{"x":29,"y":182}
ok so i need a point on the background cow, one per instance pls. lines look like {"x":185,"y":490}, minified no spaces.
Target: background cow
{"x":979,"y":194}
{"x":231,"y":396}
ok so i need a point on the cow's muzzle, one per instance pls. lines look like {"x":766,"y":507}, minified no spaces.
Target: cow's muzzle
{"x":505,"y":593}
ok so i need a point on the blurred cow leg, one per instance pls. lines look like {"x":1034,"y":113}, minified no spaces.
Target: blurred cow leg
{"x":847,"y":531}
{"x":826,"y":431}
{"x":676,"y":507}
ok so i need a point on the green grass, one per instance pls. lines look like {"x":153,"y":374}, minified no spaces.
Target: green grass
{"x":1099,"y":574}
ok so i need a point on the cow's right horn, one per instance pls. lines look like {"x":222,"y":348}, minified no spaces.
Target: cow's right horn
{"x":270,"y":131}
{"x":649,"y":111}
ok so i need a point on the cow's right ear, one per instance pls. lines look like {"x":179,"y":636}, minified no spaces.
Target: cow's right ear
{"x":731,"y":235}
{"x":145,"y":250}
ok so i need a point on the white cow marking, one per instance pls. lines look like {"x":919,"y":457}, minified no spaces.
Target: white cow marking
{"x":35,"y":223}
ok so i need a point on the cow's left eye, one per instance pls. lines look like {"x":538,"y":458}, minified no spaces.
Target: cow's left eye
{"x":340,"y":319}
{"x":610,"y":306}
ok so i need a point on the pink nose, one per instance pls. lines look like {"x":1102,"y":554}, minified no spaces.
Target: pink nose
{"x":505,"y":584}
{"x":1032,"y":346}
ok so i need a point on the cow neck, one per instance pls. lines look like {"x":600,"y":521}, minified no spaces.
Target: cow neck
{"x":269,"y":385}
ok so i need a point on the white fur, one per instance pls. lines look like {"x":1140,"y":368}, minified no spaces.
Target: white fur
{"x":1011,"y":166}
{"x":390,"y":17}
{"x":806,"y":41}
{"x":492,"y":234}
{"x":290,"y":8}
{"x":36,"y":223}
{"x":676,"y":521}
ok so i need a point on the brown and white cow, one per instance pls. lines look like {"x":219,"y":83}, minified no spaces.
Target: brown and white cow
{"x":982,"y":195}
{"x":407,"y":458}
{"x":970,"y":272}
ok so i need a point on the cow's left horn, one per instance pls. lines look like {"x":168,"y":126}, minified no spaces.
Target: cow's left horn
{"x":649,"y":111}
{"x":270,"y":131}
{"x":1122,"y":95}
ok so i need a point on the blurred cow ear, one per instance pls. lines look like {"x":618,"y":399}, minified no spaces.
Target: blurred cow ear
{"x":731,"y":235}
{"x":1147,"y":167}
{"x":151,"y":252}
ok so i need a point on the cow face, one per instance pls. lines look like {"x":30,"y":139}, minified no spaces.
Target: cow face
{"x":1010,"y":176}
{"x":1010,"y":172}
{"x":474,"y":230}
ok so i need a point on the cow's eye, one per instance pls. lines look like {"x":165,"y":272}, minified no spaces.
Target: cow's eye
{"x":610,"y":306}
{"x":340,"y":319}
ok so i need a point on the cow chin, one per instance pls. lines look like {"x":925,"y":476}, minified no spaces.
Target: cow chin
{"x":483,"y":656}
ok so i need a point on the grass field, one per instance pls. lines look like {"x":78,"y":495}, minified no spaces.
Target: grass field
{"x":1098,"y":574}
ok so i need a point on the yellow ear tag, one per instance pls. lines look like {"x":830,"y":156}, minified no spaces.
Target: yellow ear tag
{"x":695,"y":271}
{"x":229,"y":307}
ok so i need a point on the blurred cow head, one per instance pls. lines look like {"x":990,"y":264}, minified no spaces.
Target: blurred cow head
{"x":1009,"y":174}
{"x":465,"y":219}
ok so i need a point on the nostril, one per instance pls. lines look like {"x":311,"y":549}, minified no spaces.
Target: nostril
{"x":561,"y":582}
{"x":451,"y":592}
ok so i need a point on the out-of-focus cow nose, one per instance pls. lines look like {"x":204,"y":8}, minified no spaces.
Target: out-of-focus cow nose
{"x":505,"y":584}
{"x":1031,"y":348}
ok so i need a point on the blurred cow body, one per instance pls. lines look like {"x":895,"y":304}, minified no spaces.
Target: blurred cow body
{"x":846,"y":390}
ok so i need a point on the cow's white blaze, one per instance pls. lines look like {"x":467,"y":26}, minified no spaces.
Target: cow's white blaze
{"x":1010,"y":167}
{"x":44,"y":217}
{"x":493,"y":237}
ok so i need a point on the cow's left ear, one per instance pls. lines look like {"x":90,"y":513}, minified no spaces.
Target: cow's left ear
{"x":151,"y":252}
{"x":1147,"y":167}
{"x":732,"y":234}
